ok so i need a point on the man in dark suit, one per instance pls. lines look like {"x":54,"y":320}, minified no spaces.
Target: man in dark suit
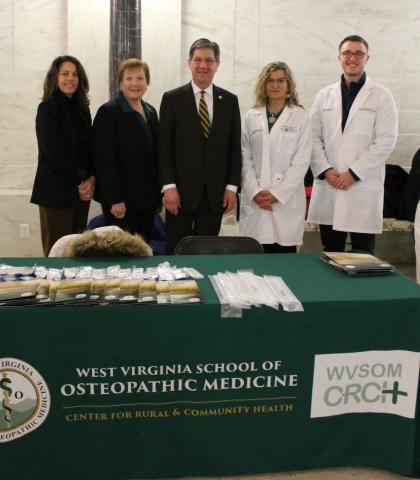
{"x":200,"y":149}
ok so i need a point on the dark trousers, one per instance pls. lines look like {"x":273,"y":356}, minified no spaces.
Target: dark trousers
{"x":276,"y":248}
{"x":335,"y":241}
{"x":134,"y":221}
{"x":202,"y":221}
{"x":58,"y":222}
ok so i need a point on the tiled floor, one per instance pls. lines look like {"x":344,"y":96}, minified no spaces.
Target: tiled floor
{"x":330,"y":474}
{"x":408,"y":269}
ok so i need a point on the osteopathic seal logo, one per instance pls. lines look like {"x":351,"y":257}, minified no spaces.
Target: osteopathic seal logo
{"x":24,"y":399}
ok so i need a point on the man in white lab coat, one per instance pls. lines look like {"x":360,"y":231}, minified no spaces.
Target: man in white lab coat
{"x":355,"y":125}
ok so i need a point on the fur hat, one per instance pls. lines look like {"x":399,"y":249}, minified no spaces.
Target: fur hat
{"x":108,"y":242}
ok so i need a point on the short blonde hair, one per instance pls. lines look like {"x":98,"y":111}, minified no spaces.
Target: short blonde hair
{"x":260,"y":93}
{"x":132,"y":63}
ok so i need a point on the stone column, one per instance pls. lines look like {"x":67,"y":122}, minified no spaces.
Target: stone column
{"x":125,"y":36}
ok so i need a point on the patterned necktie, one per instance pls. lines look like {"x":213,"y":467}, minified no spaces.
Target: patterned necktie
{"x":204,"y":116}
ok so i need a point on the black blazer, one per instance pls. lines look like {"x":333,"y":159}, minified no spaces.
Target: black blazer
{"x":125,"y":156}
{"x":190,"y":160}
{"x":63,"y":130}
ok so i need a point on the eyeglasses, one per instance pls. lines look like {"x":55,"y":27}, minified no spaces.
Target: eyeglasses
{"x":279,"y":81}
{"x":348,"y":54}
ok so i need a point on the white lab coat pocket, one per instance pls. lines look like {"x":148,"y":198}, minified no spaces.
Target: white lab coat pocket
{"x":365,"y":120}
{"x":287,"y":142}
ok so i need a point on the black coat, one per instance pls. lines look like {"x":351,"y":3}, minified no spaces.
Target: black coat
{"x":63,"y":130}
{"x":125,"y":156}
{"x":189,"y":160}
{"x":411,"y":195}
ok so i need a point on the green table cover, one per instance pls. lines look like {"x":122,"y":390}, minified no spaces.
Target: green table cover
{"x":153,"y":391}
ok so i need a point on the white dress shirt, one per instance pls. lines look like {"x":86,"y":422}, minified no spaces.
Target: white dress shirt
{"x":208,"y":97}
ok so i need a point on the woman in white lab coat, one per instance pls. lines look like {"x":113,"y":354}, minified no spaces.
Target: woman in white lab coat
{"x":276,"y":150}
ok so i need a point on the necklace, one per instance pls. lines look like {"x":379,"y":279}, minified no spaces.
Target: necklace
{"x":272,"y":117}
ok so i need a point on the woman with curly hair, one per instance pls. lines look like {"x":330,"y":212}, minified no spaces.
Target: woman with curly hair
{"x":64,"y":181}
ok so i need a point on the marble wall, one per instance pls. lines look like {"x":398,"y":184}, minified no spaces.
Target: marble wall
{"x":32,"y":34}
{"x":304,"y":33}
{"x":161,"y":46}
{"x":88,"y":40}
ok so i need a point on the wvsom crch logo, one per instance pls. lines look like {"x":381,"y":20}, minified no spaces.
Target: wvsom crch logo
{"x":24,"y":399}
{"x":374,"y":381}
{"x":371,"y":392}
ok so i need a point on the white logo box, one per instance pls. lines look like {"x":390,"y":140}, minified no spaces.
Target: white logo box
{"x":359,"y":382}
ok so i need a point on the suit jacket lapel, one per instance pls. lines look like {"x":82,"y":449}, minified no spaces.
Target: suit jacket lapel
{"x":218,"y":107}
{"x":191,"y":108}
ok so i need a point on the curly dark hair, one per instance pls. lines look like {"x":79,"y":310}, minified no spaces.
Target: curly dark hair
{"x":50,"y":82}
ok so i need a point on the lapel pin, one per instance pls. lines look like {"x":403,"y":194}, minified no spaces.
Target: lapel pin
{"x":220,"y":97}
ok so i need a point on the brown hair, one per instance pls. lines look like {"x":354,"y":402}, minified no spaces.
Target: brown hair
{"x":260,"y":95}
{"x":132,"y":63}
{"x":50,"y":82}
{"x":205,"y":43}
{"x":353,"y":38}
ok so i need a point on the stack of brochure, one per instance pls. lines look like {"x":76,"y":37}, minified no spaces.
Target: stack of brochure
{"x":356,"y":264}
{"x":85,"y":285}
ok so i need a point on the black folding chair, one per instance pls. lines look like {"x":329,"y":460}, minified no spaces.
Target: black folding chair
{"x":213,"y":245}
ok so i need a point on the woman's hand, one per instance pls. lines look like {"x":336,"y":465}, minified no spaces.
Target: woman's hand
{"x":345,"y":180}
{"x":87,"y":189}
{"x":265,"y":200}
{"x":118,"y":210}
